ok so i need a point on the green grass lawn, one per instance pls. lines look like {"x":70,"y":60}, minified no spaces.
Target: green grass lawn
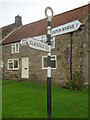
{"x":29,"y":100}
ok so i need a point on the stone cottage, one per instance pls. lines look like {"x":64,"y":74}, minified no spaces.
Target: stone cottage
{"x":24,"y":63}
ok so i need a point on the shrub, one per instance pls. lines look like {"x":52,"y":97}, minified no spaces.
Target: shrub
{"x":76,"y":82}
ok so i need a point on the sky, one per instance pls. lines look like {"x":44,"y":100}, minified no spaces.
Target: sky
{"x":34,"y":10}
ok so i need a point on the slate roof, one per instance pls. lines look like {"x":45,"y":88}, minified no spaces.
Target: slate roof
{"x":7,"y":29}
{"x":40,"y":27}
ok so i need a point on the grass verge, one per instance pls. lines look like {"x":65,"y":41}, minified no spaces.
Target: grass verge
{"x":29,"y":100}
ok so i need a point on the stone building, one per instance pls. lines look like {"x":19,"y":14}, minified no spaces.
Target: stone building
{"x":22,"y":62}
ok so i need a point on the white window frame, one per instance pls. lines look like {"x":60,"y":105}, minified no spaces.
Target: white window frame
{"x":1,"y":64}
{"x":13,"y":64}
{"x":51,"y":59}
{"x":12,"y":46}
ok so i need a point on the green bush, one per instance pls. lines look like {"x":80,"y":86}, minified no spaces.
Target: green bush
{"x":76,"y":82}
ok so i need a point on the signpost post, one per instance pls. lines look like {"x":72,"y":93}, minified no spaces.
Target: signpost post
{"x":49,"y":60}
{"x":39,"y":42}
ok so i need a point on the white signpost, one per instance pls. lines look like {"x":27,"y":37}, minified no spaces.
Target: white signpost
{"x":23,"y":42}
{"x":37,"y":45}
{"x":39,"y":42}
{"x":41,"y":38}
{"x":66,"y":28}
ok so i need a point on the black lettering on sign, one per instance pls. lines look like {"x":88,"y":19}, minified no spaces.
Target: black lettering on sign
{"x":72,"y":26}
{"x":68,"y":27}
{"x":56,"y":31}
{"x":62,"y":29}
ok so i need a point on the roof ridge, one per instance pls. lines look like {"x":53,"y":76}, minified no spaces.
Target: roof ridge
{"x":40,"y":27}
{"x":8,"y":35}
{"x":6,"y":25}
{"x":71,"y":10}
{"x":56,"y":15}
{"x":34,"y":22}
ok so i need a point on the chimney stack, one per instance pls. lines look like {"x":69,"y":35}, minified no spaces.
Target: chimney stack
{"x":18,"y":21}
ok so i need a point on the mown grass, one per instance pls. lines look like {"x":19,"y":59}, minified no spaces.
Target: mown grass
{"x":29,"y":100}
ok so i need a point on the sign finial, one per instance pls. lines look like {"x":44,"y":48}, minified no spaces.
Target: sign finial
{"x":50,"y":10}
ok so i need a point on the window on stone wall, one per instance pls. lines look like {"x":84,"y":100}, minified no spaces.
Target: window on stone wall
{"x":13,"y":64}
{"x":53,"y":62}
{"x":15,"y":48}
{"x":1,"y":63}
